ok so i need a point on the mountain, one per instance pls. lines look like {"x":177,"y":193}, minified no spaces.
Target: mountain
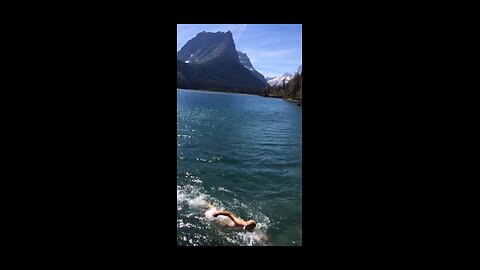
{"x":208,"y":46}
{"x":245,"y":61}
{"x":210,"y":61}
{"x":278,"y":80}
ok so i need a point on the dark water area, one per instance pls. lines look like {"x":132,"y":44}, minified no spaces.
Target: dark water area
{"x":240,"y":153}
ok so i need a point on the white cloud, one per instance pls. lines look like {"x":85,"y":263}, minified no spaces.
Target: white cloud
{"x":265,"y":54}
{"x":237,"y":30}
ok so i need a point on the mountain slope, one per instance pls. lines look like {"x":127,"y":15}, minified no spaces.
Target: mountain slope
{"x":245,"y":61}
{"x":210,"y":61}
{"x":208,"y":46}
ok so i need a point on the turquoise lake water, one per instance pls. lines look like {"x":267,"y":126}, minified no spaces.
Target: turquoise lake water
{"x":240,"y":153}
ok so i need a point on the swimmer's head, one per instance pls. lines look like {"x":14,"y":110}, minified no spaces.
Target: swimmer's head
{"x":250,"y":225}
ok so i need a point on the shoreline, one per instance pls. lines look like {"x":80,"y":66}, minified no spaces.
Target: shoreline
{"x":294,"y":101}
{"x":217,"y":92}
{"x":236,"y":93}
{"x":287,"y":99}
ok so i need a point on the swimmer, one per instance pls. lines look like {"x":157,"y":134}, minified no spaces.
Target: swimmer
{"x":228,"y":219}
{"x":237,"y":222}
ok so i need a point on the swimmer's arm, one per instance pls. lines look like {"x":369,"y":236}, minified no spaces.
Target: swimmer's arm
{"x":231,"y":216}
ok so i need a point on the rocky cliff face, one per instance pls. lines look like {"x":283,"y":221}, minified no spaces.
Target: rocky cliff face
{"x":245,"y":61}
{"x":210,"y":61}
{"x":208,"y":46}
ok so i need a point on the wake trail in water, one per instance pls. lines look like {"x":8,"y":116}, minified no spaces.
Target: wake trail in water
{"x":194,"y":201}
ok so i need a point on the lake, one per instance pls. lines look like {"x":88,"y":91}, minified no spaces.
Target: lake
{"x":241,"y":153}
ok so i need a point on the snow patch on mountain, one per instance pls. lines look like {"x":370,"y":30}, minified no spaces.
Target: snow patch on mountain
{"x":278,"y":80}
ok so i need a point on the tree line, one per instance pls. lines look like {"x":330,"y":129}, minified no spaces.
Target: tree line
{"x":292,"y":90}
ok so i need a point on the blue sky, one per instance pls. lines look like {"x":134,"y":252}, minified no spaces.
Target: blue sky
{"x":273,"y":49}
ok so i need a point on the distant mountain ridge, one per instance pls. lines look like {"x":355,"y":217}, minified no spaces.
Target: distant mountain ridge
{"x":278,"y":80}
{"x":210,"y":61}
